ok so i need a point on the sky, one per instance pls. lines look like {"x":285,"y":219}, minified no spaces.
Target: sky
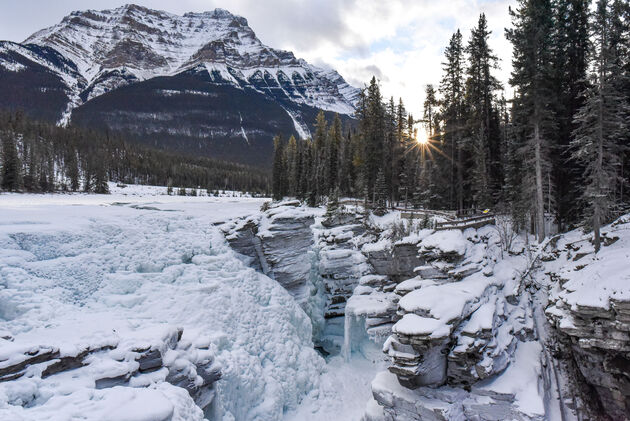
{"x":401,"y":42}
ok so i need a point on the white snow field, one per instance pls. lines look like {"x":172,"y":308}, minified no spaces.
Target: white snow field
{"x":117,"y":274}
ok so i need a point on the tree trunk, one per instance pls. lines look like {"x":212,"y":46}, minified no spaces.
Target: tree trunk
{"x":540,"y":204}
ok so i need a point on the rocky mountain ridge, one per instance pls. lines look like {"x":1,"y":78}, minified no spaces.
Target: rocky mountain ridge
{"x":197,"y":77}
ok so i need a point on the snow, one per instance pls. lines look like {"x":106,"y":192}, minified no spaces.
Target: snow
{"x":177,"y":44}
{"x":522,"y":379}
{"x":129,"y":270}
{"x":412,"y":324}
{"x":463,"y":297}
{"x":344,"y":390}
{"x":12,"y":66}
{"x":449,"y":241}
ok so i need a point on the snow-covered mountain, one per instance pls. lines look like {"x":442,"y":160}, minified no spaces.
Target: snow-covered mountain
{"x":92,"y":54}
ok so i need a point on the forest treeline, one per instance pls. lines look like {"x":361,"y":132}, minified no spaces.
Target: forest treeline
{"x":42,"y":157}
{"x":556,"y":150}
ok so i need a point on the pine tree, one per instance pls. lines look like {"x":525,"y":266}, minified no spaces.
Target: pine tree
{"x":10,"y":163}
{"x":332,"y":155}
{"x":602,"y":122}
{"x":100,"y":177}
{"x":480,"y":88}
{"x":402,"y":170}
{"x":430,"y":110}
{"x":452,"y":90}
{"x":291,"y":158}
{"x":372,"y":126}
{"x":279,"y":169}
{"x":320,"y":154}
{"x":332,"y":207}
{"x":72,"y":170}
{"x":533,"y":115}
{"x":569,"y":50}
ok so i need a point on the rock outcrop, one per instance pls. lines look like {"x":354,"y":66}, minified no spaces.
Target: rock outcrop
{"x":123,"y":363}
{"x":279,"y":244}
{"x":590,"y":310}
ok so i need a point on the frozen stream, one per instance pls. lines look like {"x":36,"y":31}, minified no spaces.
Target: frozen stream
{"x":128,"y":270}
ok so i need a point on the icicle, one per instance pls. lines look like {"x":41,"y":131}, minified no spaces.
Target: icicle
{"x":347,"y":333}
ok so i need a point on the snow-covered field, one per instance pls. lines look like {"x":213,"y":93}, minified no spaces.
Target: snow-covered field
{"x":125,"y":271}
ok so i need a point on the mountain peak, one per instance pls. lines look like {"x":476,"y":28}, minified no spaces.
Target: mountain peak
{"x":130,"y":44}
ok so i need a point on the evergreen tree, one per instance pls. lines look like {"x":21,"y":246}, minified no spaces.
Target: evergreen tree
{"x":332,"y":207}
{"x":372,"y":126}
{"x":279,"y":170}
{"x":72,"y":170}
{"x":452,"y":91}
{"x":602,"y":121}
{"x":10,"y":163}
{"x":380,"y":192}
{"x":291,"y":160}
{"x":533,"y":114}
{"x":320,"y":142}
{"x":480,"y":88}
{"x":332,"y":155}
{"x":569,"y":50}
{"x":402,"y":169}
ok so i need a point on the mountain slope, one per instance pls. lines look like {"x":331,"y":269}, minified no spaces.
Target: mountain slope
{"x":98,"y":53}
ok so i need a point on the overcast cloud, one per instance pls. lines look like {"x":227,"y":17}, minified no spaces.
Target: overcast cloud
{"x":400,"y":42}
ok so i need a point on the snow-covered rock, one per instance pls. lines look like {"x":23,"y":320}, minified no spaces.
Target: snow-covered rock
{"x":590,"y":306}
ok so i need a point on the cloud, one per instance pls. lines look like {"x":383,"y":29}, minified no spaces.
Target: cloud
{"x":401,"y":42}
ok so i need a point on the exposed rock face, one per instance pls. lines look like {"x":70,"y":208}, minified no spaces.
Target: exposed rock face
{"x":115,"y":364}
{"x":457,"y":332}
{"x":340,"y":263}
{"x":279,"y":244}
{"x":398,"y":263}
{"x":590,"y":309}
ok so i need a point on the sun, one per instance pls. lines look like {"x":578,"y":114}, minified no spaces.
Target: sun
{"x":422,"y":138}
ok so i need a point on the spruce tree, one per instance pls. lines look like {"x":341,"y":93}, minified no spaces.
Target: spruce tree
{"x":11,"y":165}
{"x":569,"y":51}
{"x":533,"y":114}
{"x":320,"y":142}
{"x":380,"y":192}
{"x":601,"y":124}
{"x":332,"y":156}
{"x":279,"y":169}
{"x":452,"y":91}
{"x":480,"y":88}
{"x":291,"y":159}
{"x":372,"y":126}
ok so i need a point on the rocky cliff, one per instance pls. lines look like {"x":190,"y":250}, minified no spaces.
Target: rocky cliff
{"x":473,"y":331}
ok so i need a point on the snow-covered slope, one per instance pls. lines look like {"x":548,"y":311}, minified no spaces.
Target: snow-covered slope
{"x":128,"y":308}
{"x":132,"y":43}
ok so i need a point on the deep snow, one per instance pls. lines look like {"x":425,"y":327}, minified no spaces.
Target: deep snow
{"x":128,"y":270}
{"x":79,"y":270}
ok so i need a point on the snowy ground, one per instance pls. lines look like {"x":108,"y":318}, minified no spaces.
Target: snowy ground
{"x":129,"y":269}
{"x":79,"y":270}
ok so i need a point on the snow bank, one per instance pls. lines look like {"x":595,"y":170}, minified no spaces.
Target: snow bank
{"x":96,"y":274}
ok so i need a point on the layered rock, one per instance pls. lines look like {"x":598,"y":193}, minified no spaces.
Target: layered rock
{"x":590,"y":309}
{"x":459,"y":329}
{"x":117,"y":362}
{"x":278,"y":243}
{"x":340,"y":265}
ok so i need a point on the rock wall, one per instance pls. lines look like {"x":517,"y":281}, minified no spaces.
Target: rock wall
{"x":121,"y":364}
{"x":278,"y":243}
